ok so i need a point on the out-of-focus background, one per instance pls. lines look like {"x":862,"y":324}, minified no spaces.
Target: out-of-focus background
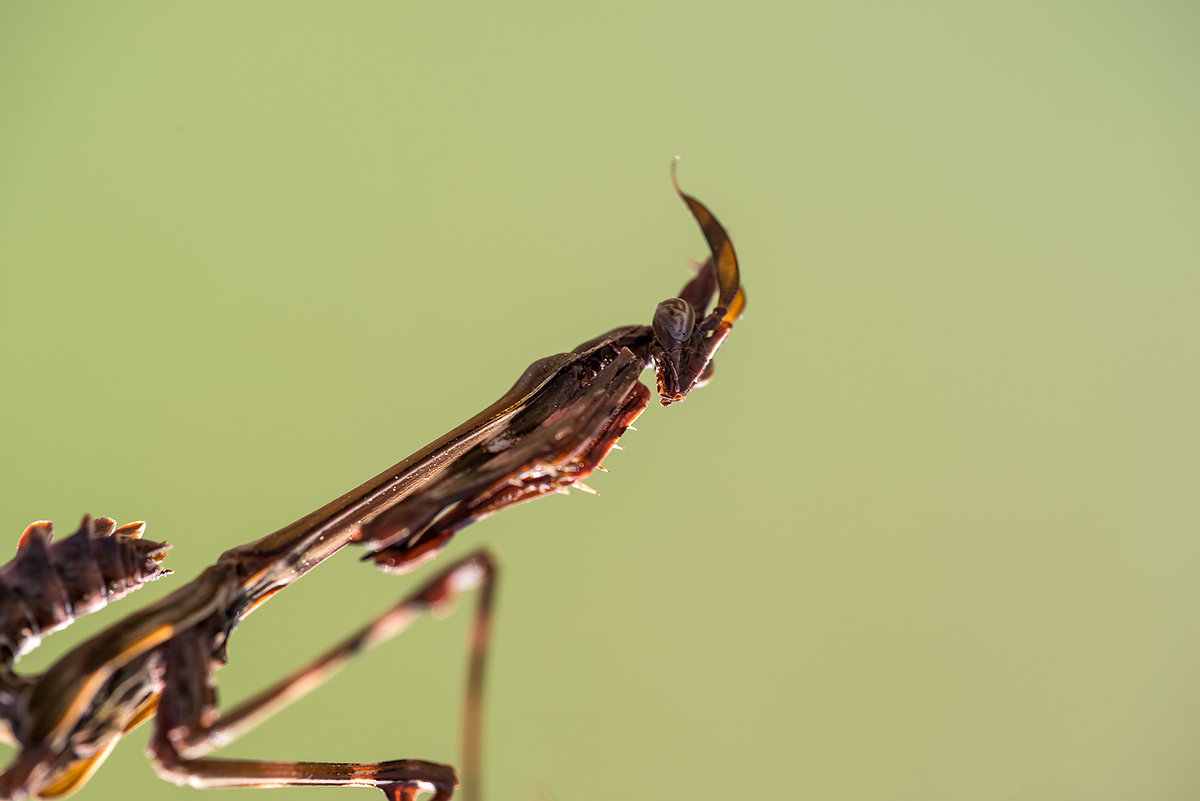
{"x":932,"y":533}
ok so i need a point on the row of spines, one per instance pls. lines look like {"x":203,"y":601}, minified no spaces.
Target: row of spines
{"x":51,"y":583}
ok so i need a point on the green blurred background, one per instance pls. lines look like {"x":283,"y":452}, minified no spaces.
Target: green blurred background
{"x":932,"y":533}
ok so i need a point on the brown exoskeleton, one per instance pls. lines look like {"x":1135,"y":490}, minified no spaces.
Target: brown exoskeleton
{"x":547,"y":433}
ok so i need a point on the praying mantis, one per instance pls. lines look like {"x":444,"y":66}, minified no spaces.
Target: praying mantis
{"x":548,"y":433}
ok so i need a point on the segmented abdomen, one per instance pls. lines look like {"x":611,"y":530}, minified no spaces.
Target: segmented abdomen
{"x":50,"y":584}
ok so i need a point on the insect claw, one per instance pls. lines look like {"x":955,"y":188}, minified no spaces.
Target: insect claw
{"x":618,"y":447}
{"x":603,"y":469}
{"x":132,"y":531}
{"x":42,"y":528}
{"x":581,"y":486}
{"x":630,"y":428}
{"x":152,"y":550}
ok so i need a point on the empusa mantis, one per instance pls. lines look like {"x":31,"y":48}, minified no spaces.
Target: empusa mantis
{"x":547,"y":433}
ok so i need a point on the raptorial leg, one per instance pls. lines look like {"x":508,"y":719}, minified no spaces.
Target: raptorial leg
{"x":188,"y":727}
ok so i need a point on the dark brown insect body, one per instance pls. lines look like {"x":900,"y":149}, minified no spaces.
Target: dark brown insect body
{"x":50,"y":584}
{"x":547,"y":433}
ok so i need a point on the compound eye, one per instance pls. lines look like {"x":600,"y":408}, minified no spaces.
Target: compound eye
{"x":674,"y":320}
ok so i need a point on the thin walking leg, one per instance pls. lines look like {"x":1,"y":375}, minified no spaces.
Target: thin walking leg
{"x":187,"y":725}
